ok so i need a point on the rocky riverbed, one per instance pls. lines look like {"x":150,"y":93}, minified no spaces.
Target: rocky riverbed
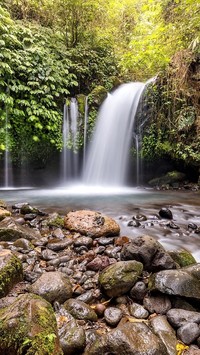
{"x":74,"y":285}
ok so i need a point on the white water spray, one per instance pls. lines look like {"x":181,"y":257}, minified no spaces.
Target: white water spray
{"x":107,"y":160}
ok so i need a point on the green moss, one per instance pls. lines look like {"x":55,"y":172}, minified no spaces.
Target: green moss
{"x":57,"y":222}
{"x":10,"y":275}
{"x":183,"y":258}
{"x":29,"y":327}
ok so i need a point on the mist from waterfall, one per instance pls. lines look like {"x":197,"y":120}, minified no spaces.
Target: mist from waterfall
{"x":107,"y":159}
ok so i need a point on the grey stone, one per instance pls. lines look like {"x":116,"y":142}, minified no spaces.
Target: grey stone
{"x":159,"y":304}
{"x":165,"y":332}
{"x":182,"y":282}
{"x":80,"y":310}
{"x":72,"y":336}
{"x":138,"y":291}
{"x":138,"y":311}
{"x":188,"y":333}
{"x":178,"y":317}
{"x":112,"y":315}
{"x":52,"y":286}
{"x":11,"y":231}
{"x":149,"y":252}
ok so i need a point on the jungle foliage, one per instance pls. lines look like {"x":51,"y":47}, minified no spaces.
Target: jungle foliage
{"x":54,"y":49}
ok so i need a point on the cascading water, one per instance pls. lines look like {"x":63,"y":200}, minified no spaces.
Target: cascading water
{"x":7,"y":159}
{"x":85,"y":131}
{"x":109,"y":150}
{"x":69,"y":156}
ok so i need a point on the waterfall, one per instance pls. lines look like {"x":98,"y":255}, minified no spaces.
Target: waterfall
{"x":109,"y":150}
{"x":7,"y":158}
{"x":85,"y":131}
{"x":69,"y":155}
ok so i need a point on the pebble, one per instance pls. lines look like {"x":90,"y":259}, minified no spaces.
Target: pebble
{"x":112,"y":316}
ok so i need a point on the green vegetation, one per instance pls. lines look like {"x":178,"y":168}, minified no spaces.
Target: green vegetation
{"x":52,"y":50}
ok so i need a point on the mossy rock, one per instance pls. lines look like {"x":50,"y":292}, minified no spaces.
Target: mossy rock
{"x":183,"y":257}
{"x":11,"y":271}
{"x":98,"y":95}
{"x":28,"y":326}
{"x":4,"y":213}
{"x":170,"y":178}
{"x":119,"y":278}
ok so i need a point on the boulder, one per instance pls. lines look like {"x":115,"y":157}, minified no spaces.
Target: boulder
{"x":10,"y":230}
{"x":127,"y":339}
{"x":148,"y":251}
{"x":28,"y":326}
{"x":138,"y":311}
{"x":52,"y":286}
{"x":11,"y":271}
{"x":91,"y":223}
{"x":182,"y":282}
{"x":119,"y":278}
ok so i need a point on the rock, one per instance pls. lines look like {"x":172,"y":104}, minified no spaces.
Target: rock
{"x":166,"y":333}
{"x":182,"y":257}
{"x":72,"y":336}
{"x":30,"y":216}
{"x":4,"y":213}
{"x":113,"y":316}
{"x":192,"y":226}
{"x":165,"y":213}
{"x":127,"y":339}
{"x":59,"y":244}
{"x":28,"y":326}
{"x":183,"y":282}
{"x":52,"y":286}
{"x":138,"y":311}
{"x":188,"y":333}
{"x":27,"y":209}
{"x":23,"y":243}
{"x":149,"y":252}
{"x":138,"y":291}
{"x":86,"y":241}
{"x":170,"y":178}
{"x":105,"y":240}
{"x":192,"y":351}
{"x":11,"y":230}
{"x":179,"y":317}
{"x":118,"y":278}
{"x":159,"y":304}
{"x":135,"y":224}
{"x":80,"y":310}
{"x":11,"y":271}
{"x":140,"y":217}
{"x":3,"y":204}
{"x":99,"y":263}
{"x":179,"y":302}
{"x":91,"y":223}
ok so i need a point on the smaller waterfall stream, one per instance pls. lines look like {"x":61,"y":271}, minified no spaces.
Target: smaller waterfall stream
{"x":85,"y":131}
{"x":109,"y":150}
{"x":69,"y":156}
{"x":7,"y":159}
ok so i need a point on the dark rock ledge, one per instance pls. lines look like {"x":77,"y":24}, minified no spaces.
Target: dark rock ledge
{"x":72,"y":285}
